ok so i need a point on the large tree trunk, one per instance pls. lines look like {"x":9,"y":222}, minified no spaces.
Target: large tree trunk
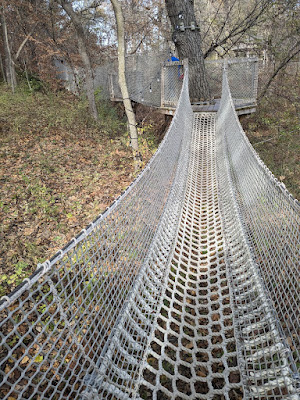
{"x":122,"y":78}
{"x":10,"y":72}
{"x":188,"y":43}
{"x":89,"y":81}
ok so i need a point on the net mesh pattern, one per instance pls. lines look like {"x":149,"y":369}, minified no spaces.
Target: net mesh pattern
{"x":172,"y":76}
{"x":143,"y":76}
{"x":186,"y":287}
{"x":193,"y":351}
{"x":242,"y":79}
{"x":60,"y":328}
{"x":154,"y":81}
{"x":261,"y":224}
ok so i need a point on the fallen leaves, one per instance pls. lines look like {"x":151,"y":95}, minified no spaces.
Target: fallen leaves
{"x":24,"y":360}
{"x":39,"y":359}
{"x":56,"y":177}
{"x":28,"y":231}
{"x":43,"y":205}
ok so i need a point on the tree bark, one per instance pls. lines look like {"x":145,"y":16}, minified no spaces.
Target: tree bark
{"x":2,"y":69}
{"x":10,"y":72}
{"x":189,"y":45}
{"x":122,"y":78}
{"x":89,"y":81}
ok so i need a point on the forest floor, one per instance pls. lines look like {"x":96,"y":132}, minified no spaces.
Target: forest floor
{"x":58,"y":171}
{"x":274,"y":130}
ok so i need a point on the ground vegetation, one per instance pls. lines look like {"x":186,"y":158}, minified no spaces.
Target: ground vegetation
{"x":59,"y":169}
{"x":274,"y":130}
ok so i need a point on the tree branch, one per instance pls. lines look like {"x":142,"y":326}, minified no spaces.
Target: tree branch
{"x":24,"y":42}
{"x":283,"y":64}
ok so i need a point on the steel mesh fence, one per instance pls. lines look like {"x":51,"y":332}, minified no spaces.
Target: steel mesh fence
{"x":243,"y":79}
{"x":143,"y":75}
{"x":146,"y":76}
{"x":261,"y":223}
{"x":172,"y":78}
{"x":154,"y":81}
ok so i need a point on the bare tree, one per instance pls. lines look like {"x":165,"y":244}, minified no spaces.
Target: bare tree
{"x":82,"y":48}
{"x":122,"y":78}
{"x":282,"y":30}
{"x":225,"y":23}
{"x":10,"y":71}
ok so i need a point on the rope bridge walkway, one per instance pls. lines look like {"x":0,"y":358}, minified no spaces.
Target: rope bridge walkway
{"x":187,"y":287}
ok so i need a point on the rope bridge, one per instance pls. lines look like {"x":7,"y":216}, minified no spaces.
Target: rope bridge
{"x":187,"y":287}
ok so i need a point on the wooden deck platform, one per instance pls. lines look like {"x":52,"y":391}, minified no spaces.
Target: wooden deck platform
{"x":241,"y":108}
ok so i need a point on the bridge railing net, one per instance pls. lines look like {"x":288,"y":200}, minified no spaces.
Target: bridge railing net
{"x":267,"y":293}
{"x":154,"y":81}
{"x":143,"y":74}
{"x":171,"y":81}
{"x":55,"y":329}
{"x":242,"y":78}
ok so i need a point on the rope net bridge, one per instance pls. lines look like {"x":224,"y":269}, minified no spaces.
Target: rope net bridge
{"x":187,"y":287}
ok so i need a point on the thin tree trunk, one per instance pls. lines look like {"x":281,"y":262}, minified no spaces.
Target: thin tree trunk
{"x":84,"y":56}
{"x":189,"y":45}
{"x":10,"y":71}
{"x":122,"y":78}
{"x":27,"y":77}
{"x":2,"y":69}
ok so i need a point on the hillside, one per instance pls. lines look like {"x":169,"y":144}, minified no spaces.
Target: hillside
{"x":58,"y":171}
{"x":274,"y":130}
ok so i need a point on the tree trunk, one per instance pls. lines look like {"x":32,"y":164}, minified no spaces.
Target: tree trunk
{"x":122,"y":78}
{"x":10,"y":72}
{"x":2,"y":69}
{"x":89,"y":81}
{"x":189,"y":45}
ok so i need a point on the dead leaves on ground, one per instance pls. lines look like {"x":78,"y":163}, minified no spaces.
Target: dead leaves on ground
{"x":53,"y":183}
